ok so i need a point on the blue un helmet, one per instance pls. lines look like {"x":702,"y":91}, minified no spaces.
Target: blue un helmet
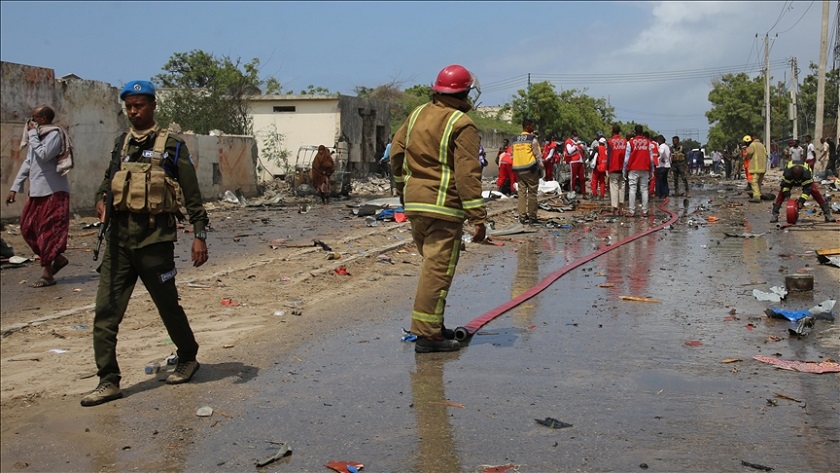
{"x":138,"y":87}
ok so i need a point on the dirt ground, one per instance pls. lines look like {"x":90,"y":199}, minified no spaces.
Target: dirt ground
{"x":265,"y":278}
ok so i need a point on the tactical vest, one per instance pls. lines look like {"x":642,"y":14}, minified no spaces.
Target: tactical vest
{"x":145,"y":187}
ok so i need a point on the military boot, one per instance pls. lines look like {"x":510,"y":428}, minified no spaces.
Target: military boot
{"x":775,"y":217}
{"x":827,"y":213}
{"x":436,"y":344}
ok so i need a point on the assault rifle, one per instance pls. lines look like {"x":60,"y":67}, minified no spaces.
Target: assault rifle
{"x":109,"y":203}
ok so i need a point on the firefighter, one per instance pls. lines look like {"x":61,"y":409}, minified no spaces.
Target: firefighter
{"x":797,"y":174}
{"x":439,"y":183}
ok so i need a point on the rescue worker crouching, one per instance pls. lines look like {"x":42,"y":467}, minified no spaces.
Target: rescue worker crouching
{"x":798,"y":174}
{"x":438,"y":180}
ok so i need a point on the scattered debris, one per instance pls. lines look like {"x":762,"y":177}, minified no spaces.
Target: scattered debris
{"x":344,"y":467}
{"x":496,"y":468}
{"x":281,"y":452}
{"x":448,"y":403}
{"x":782,"y":396}
{"x":756,"y":466}
{"x":693,"y":343}
{"x":816,"y":367}
{"x":829,"y":256}
{"x":776,"y":294}
{"x":229,"y":302}
{"x":731,"y":360}
{"x":205,"y":411}
{"x":342,"y":271}
{"x":553,"y":423}
{"x":58,"y":350}
{"x":638,"y":299}
{"x":744,"y":235}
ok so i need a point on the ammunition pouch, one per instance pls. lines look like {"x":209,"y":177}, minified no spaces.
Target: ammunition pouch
{"x":145,"y":187}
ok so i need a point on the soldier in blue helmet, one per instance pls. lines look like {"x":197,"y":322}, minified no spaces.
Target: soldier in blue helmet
{"x":149,"y":170}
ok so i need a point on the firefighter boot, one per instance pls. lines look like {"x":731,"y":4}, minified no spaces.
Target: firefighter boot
{"x":775,"y":217}
{"x":827,"y":213}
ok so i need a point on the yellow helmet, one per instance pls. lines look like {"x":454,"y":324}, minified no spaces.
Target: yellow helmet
{"x":747,"y":138}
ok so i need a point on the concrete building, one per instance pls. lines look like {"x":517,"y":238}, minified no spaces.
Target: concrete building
{"x":312,"y":120}
{"x":92,"y":114}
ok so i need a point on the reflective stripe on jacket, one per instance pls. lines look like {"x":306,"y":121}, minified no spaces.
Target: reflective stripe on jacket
{"x":434,"y":165}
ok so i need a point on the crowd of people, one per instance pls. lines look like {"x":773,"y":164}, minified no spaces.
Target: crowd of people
{"x":638,"y":166}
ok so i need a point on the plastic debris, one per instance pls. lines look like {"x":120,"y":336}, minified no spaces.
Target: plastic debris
{"x":281,"y":452}
{"x":553,"y":423}
{"x":823,"y":310}
{"x":409,"y":337}
{"x":731,"y":360}
{"x":230,"y":302}
{"x":230,"y":197}
{"x":342,"y":271}
{"x":344,"y":467}
{"x":205,"y":411}
{"x":18,"y":260}
{"x":279,"y":313}
{"x":792,"y":315}
{"x":58,"y":350}
{"x":817,"y":367}
{"x":776,"y":294}
{"x":693,"y":343}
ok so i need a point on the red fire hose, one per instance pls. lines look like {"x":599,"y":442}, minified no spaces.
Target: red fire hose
{"x":468,"y":330}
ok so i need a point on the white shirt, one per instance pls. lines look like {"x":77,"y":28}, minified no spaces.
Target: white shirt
{"x":664,"y":156}
{"x":812,"y":151}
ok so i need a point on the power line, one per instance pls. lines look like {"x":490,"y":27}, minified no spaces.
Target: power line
{"x":785,"y":9}
{"x":800,"y":18}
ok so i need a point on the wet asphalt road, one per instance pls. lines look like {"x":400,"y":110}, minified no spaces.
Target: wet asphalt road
{"x":638,"y":397}
{"x":620,"y":372}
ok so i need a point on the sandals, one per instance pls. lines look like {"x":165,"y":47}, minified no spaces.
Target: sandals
{"x":44,"y":282}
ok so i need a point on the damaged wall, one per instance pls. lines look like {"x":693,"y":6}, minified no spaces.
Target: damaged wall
{"x":366,"y":124}
{"x":91,"y":112}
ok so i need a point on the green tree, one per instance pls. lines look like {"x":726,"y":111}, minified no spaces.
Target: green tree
{"x":737,"y":109}
{"x":807,"y":101}
{"x":557,"y":114}
{"x":202,"y":92}
{"x":312,"y":90}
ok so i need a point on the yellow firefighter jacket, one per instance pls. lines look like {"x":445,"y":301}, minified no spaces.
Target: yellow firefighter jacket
{"x":434,"y":159}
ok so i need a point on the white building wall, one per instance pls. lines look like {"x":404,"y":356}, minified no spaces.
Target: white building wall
{"x":315,"y":121}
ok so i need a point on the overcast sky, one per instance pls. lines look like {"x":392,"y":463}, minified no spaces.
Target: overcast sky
{"x":654,"y":61}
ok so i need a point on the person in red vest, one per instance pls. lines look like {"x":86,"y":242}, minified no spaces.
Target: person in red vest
{"x":548,"y":156}
{"x":616,"y":147}
{"x":654,"y":151}
{"x":639,"y":167}
{"x":507,"y":178}
{"x":574,"y":156}
{"x":599,"y":170}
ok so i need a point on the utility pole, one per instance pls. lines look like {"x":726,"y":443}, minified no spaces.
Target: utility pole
{"x":794,"y":104}
{"x":818,"y":123}
{"x":528,"y":101}
{"x":837,"y":63}
{"x":767,"y":91}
